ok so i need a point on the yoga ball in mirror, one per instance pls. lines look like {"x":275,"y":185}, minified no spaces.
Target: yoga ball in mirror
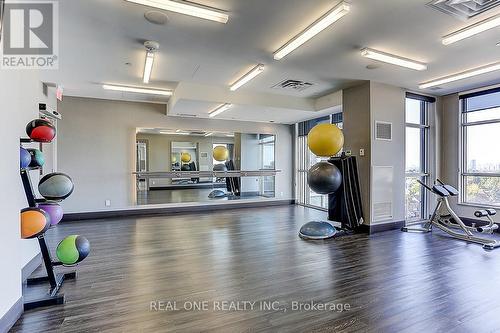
{"x":324,"y":178}
{"x":325,"y":140}
{"x":220,"y":153}
{"x":186,"y":157}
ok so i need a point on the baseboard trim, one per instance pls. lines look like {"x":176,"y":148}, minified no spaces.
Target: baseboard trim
{"x":381,"y":227}
{"x":30,"y":267}
{"x":9,"y":319}
{"x":171,"y":210}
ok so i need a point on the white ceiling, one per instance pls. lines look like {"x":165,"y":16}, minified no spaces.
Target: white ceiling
{"x":98,"y":38}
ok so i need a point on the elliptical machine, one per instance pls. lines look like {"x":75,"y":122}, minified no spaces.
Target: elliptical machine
{"x":451,"y":222}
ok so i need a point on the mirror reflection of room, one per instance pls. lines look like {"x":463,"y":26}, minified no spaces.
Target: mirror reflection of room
{"x":173,"y":166}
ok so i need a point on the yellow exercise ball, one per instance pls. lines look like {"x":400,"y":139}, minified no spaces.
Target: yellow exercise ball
{"x":220,"y":153}
{"x":174,"y":159}
{"x":186,"y":157}
{"x":325,"y":140}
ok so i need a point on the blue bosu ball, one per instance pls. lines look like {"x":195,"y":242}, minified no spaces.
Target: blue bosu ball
{"x":317,"y":230}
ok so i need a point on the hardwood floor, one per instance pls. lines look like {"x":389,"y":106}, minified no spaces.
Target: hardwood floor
{"x":392,"y":281}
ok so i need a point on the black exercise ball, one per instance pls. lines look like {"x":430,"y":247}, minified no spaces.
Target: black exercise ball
{"x":220,"y":167}
{"x":324,"y":178}
{"x":185,"y":167}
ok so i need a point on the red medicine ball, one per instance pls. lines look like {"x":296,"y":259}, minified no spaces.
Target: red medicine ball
{"x":41,"y":130}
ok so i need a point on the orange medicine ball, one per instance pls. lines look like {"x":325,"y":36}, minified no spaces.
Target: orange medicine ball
{"x":34,"y":222}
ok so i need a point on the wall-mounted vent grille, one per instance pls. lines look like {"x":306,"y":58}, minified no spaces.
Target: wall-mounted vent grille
{"x":383,"y":131}
{"x":464,"y":9}
{"x":187,"y":115}
{"x":382,"y":211}
{"x":293,"y":85}
{"x":382,"y":193}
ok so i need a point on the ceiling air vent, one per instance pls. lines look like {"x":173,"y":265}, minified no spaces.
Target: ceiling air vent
{"x":383,"y":131}
{"x":464,"y":9}
{"x":293,"y":85}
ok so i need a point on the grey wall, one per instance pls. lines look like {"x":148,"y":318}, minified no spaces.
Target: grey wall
{"x":97,"y":148}
{"x":357,"y":135}
{"x":450,"y":165}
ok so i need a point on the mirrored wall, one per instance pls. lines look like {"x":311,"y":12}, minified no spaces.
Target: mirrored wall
{"x":183,"y":166}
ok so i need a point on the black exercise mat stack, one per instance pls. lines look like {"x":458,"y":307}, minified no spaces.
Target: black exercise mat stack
{"x":344,"y":205}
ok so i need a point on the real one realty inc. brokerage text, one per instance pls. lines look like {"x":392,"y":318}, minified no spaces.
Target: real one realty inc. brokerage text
{"x":231,"y":306}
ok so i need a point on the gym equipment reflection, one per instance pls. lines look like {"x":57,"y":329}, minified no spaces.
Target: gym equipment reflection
{"x":178,"y":166}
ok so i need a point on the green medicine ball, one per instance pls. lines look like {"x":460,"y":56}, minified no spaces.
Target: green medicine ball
{"x":73,"y":249}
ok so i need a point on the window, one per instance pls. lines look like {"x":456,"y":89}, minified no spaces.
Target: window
{"x":417,"y":151}
{"x":306,"y":159}
{"x":480,"y":156}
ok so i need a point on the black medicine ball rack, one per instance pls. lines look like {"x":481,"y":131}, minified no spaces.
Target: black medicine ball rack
{"x":53,"y":297}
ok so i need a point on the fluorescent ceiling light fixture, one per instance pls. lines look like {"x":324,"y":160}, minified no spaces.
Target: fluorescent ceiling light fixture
{"x":460,"y":76}
{"x":175,"y":133}
{"x":186,"y":8}
{"x":148,"y":66}
{"x":137,"y":90}
{"x":218,"y":110}
{"x":208,"y":134}
{"x":472,"y":30}
{"x":393,"y":59}
{"x":247,"y":77}
{"x":321,"y":24}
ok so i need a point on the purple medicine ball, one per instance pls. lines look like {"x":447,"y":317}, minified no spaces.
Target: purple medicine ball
{"x":54,"y":210}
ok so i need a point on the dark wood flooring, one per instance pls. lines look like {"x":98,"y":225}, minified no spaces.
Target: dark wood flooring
{"x":393,"y":281}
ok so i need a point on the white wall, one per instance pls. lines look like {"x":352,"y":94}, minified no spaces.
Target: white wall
{"x":97,"y":148}
{"x":387,"y":104}
{"x":20,"y":92}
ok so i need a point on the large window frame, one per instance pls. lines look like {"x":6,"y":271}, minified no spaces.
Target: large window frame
{"x":305,"y":159}
{"x":424,"y":174}
{"x":464,"y":124}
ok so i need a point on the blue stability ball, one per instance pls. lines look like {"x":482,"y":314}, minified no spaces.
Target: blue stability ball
{"x":215,"y":194}
{"x":317,"y":230}
{"x":24,"y":157}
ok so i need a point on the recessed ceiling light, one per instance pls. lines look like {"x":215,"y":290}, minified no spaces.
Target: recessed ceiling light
{"x":218,"y":110}
{"x":137,"y":90}
{"x":322,"y":23}
{"x":186,"y":8}
{"x":462,"y":75}
{"x":156,"y":17}
{"x":247,"y":77}
{"x":477,"y":28}
{"x":393,"y":59}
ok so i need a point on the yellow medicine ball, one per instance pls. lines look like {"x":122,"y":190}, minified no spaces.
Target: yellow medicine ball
{"x":186,"y":157}
{"x":220,"y":153}
{"x":325,"y":140}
